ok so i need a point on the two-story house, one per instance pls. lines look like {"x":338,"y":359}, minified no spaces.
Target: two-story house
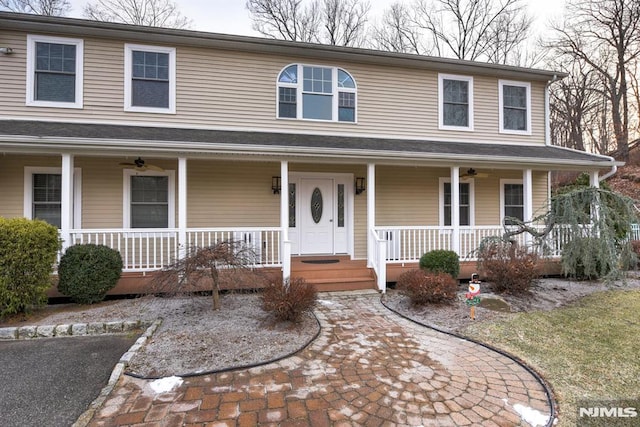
{"x":152,"y":140}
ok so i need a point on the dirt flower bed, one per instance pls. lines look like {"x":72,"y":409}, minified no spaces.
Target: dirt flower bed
{"x":547,"y":294}
{"x":193,"y":338}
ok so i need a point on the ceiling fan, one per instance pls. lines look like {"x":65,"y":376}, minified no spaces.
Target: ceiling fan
{"x":472,"y":173}
{"x":141,"y":166}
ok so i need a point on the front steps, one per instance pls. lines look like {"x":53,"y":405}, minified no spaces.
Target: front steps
{"x":344,"y":275}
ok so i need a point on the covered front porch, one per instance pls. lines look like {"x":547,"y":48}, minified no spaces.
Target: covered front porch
{"x":381,"y":202}
{"x":360,"y":220}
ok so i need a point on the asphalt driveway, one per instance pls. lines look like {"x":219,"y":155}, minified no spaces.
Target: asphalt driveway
{"x":51,"y":381}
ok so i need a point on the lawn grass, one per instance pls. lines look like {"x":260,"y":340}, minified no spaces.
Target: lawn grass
{"x":587,"y":350}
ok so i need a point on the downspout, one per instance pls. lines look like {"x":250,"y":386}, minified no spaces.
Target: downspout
{"x":612,"y":172}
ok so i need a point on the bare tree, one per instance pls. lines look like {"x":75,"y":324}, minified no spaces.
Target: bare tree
{"x":605,"y":34}
{"x":473,"y":29}
{"x":574,"y":102}
{"x":396,"y":32}
{"x":152,"y":13}
{"x":38,"y":7}
{"x":212,"y":266}
{"x":335,"y":22}
{"x":345,"y":21}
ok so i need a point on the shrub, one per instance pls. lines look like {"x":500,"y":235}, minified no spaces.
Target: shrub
{"x":511,"y":269}
{"x":441,"y":261}
{"x":87,"y":272}
{"x":583,"y":259}
{"x":28,"y":250}
{"x":424,"y":287}
{"x":289,"y":300}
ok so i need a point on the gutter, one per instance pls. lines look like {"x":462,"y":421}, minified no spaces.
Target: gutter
{"x":25,"y":143}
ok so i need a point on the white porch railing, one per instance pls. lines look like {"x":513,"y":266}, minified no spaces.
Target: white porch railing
{"x":153,"y":249}
{"x":408,"y":244}
{"x":265,"y":242}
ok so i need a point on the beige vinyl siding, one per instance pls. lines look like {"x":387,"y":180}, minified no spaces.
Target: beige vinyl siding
{"x":12,"y":181}
{"x":237,"y":90}
{"x":232,"y":194}
{"x":407,"y":195}
{"x":103,"y":186}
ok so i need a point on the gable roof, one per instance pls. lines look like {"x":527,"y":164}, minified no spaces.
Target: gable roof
{"x":87,"y":28}
{"x":17,"y":135}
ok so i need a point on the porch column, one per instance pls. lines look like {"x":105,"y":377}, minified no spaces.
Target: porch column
{"x":182,"y":206}
{"x":594,"y":179}
{"x":455,"y":209}
{"x":527,"y":209}
{"x":284,"y":220}
{"x":371,"y":212}
{"x":66,"y":199}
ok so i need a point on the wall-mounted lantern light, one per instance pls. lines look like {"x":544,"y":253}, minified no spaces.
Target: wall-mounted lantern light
{"x":6,"y":50}
{"x":360,"y":185}
{"x":276,"y":184}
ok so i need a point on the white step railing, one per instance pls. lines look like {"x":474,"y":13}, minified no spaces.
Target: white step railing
{"x":153,"y":249}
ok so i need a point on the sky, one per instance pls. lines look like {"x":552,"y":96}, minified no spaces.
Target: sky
{"x":231,"y":16}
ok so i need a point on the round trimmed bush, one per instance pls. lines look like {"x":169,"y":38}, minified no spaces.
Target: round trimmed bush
{"x":87,"y":272}
{"x":441,"y":261}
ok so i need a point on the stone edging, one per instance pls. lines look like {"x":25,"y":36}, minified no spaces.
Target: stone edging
{"x":117,"y":372}
{"x":70,"y":330}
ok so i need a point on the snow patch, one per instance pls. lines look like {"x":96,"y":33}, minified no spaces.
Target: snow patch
{"x":325,"y":302}
{"x":531,"y":416}
{"x":165,"y":385}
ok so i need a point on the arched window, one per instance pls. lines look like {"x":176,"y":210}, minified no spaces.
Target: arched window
{"x":316,"y":93}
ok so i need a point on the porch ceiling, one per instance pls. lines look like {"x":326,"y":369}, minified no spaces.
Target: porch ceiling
{"x":28,"y":136}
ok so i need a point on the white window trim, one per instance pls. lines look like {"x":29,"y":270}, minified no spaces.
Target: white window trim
{"x":31,"y":70}
{"x":128,"y":71}
{"x":527,"y":86}
{"x":77,"y":191}
{"x":126,"y":195}
{"x":472,"y":202}
{"x":502,"y":183}
{"x":441,"y":125}
{"x":299,"y":92}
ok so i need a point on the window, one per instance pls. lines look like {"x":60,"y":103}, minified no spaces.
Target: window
{"x":47,"y":198}
{"x":322,"y":93}
{"x":512,"y":197}
{"x":466,"y":198}
{"x":455,"y":98}
{"x":150,"y":82}
{"x":43,"y":195}
{"x":515,"y":107}
{"x":54,"y":72}
{"x":149,"y":199}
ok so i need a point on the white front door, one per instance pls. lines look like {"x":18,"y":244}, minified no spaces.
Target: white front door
{"x":316,"y":215}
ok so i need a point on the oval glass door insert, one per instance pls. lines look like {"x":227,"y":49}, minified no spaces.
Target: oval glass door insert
{"x":316,"y":205}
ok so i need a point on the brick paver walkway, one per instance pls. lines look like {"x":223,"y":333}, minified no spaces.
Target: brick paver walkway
{"x":368,"y":367}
